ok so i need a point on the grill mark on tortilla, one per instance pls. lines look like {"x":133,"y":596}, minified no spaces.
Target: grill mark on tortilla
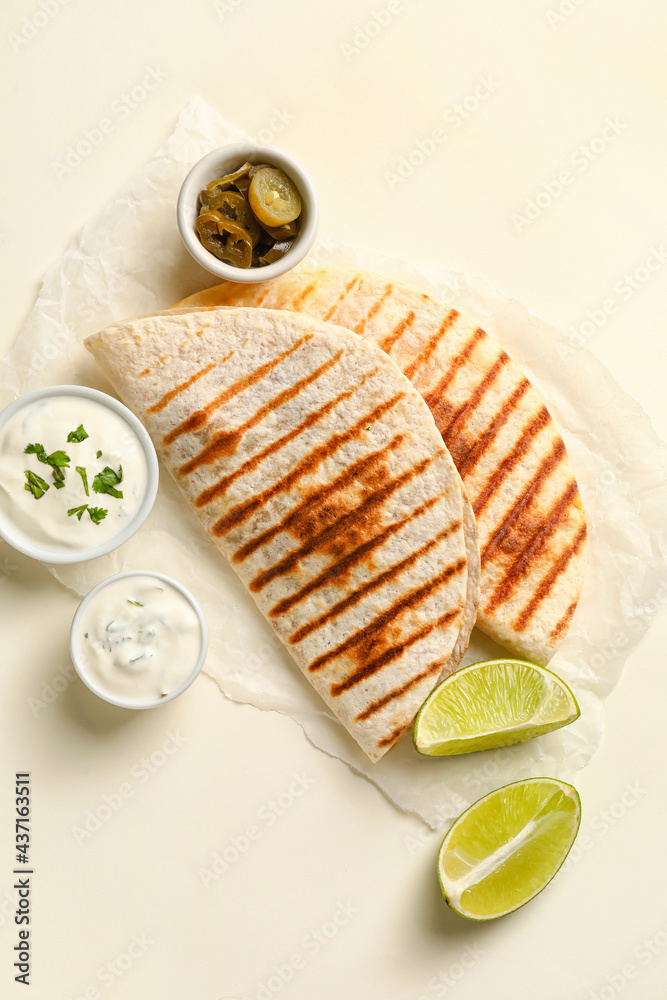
{"x":298,"y":299}
{"x":455,"y":425}
{"x":374,"y":309}
{"x":538,"y":423}
{"x":212,"y":492}
{"x":424,"y":356}
{"x":548,"y":581}
{"x":468,"y":462}
{"x":353,"y":558}
{"x":201,"y":417}
{"x":564,"y":623}
{"x":346,"y":291}
{"x":315,"y":496}
{"x":433,"y":397}
{"x":262,"y":296}
{"x":377,"y":706}
{"x":226,"y":442}
{"x":389,"y":655}
{"x":408,"y":600}
{"x":397,"y":332}
{"x":525,"y":561}
{"x":547,"y":465}
{"x":307,"y":465}
{"x":366,"y":588}
{"x":146,"y":371}
{"x":387,"y":741}
{"x":182,"y":386}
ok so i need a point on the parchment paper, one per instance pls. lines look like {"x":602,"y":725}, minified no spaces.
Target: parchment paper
{"x":130,"y":260}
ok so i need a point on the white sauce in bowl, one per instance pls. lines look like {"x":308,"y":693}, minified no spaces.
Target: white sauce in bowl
{"x":136,"y":639}
{"x":45,"y":520}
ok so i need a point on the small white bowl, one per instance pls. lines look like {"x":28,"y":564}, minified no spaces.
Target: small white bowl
{"x":18,"y":540}
{"x":113,"y":699}
{"x":223,"y":161}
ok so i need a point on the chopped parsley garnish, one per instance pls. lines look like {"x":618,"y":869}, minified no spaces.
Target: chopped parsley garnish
{"x":58,"y":461}
{"x":35,"y":485}
{"x":137,"y":604}
{"x":78,"y":435}
{"x":36,"y":449}
{"x":107,"y":480}
{"x":97,"y":514}
{"x":84,"y":477}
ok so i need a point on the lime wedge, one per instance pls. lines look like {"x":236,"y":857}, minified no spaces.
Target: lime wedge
{"x":492,"y":704}
{"x":508,"y":846}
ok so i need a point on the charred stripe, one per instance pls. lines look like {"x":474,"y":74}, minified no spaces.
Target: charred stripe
{"x":357,"y":595}
{"x":408,"y":600}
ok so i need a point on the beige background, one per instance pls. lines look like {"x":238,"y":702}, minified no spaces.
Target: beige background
{"x":328,"y":889}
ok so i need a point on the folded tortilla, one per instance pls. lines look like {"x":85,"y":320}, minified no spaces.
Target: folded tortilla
{"x":530,"y":519}
{"x":319,"y":472}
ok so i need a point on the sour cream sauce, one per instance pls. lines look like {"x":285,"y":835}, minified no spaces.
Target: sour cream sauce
{"x":45,"y":521}
{"x":137,"y":639}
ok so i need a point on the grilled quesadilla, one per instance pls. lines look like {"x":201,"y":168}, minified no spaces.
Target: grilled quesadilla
{"x":319,"y":472}
{"x":530,"y":519}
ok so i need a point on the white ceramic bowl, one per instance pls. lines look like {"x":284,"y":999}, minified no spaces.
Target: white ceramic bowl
{"x":80,"y":666}
{"x":223,"y":161}
{"x":18,"y":540}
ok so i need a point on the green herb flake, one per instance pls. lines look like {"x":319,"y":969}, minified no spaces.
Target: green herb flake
{"x":78,"y":435}
{"x":37,"y":449}
{"x":84,"y":477}
{"x":35,"y":485}
{"x":85,"y":635}
{"x":58,"y":477}
{"x":99,"y":454}
{"x":58,"y":459}
{"x":97,"y":514}
{"x":78,"y":511}
{"x":107,"y":480}
{"x":137,"y":604}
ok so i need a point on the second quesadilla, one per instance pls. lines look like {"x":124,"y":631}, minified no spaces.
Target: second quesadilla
{"x":530,"y":519}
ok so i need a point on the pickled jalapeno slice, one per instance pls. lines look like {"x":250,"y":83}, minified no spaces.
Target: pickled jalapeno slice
{"x":235,"y":247}
{"x":274,"y":197}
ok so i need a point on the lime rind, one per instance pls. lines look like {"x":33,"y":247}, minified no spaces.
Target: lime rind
{"x":491,"y":704}
{"x":505,"y":849}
